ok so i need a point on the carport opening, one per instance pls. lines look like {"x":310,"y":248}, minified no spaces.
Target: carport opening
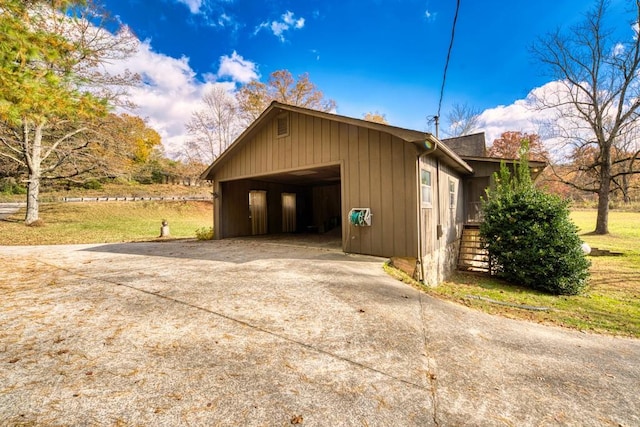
{"x":300,"y":205}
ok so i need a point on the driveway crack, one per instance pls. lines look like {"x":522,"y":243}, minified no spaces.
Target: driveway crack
{"x":244,"y":323}
{"x":430,"y":370}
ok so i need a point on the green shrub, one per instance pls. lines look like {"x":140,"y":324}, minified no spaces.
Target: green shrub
{"x":530,"y":237}
{"x":9,"y":185}
{"x":92,"y":184}
{"x":204,"y":233}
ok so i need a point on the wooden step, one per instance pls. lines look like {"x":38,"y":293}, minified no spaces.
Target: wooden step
{"x":473,"y":255}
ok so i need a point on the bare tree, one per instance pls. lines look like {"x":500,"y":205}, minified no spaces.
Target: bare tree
{"x":212,"y":128}
{"x":462,"y":120}
{"x":595,"y":103}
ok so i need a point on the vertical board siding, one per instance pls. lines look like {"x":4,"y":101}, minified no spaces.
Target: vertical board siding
{"x":386,"y":191}
{"x":335,"y":142}
{"x":343,"y":138}
{"x":353,"y":165}
{"x":378,"y":172}
{"x":317,"y":140}
{"x":287,"y":148}
{"x":293,"y":123}
{"x":398,"y":196}
{"x":326,"y":141}
{"x":376,"y":192}
{"x":410,"y":200}
{"x":309,"y":140}
{"x":364,"y":175}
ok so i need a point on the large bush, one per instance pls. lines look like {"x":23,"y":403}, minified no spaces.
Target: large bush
{"x":530,"y":238}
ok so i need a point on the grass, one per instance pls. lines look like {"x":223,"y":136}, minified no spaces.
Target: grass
{"x":610,"y":304}
{"x":106,"y":222}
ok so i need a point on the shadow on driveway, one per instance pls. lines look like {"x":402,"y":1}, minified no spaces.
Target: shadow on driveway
{"x":237,"y":250}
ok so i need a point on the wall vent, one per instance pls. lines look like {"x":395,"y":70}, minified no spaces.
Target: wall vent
{"x":283,"y":125}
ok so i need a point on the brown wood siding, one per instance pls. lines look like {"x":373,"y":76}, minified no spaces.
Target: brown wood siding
{"x":376,"y":196}
{"x":411,"y":198}
{"x":378,"y":172}
{"x":439,"y":254}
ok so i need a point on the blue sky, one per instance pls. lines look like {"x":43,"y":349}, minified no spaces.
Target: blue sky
{"x":382,"y":55}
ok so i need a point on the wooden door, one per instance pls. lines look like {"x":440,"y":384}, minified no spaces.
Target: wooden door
{"x":258,"y":211}
{"x":288,"y":212}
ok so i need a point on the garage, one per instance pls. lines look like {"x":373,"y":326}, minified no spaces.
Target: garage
{"x":379,"y":189}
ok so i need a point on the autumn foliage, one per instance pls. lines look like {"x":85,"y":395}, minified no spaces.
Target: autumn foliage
{"x":509,"y":144}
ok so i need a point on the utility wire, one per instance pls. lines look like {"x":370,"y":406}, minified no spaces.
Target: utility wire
{"x":446,"y":64}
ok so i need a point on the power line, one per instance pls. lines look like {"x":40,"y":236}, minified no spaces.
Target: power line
{"x":446,"y":64}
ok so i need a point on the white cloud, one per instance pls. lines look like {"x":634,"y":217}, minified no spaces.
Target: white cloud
{"x":212,"y":13}
{"x":224,"y":20}
{"x":237,"y":68}
{"x":290,"y":20}
{"x":431,"y":16}
{"x":170,"y":90}
{"x":522,"y":115}
{"x":193,"y":5}
{"x":515,"y":117}
{"x":618,"y":49}
{"x":278,"y":28}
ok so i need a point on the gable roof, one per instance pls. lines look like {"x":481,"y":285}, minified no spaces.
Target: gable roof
{"x":423,"y":140}
{"x":473,"y":145}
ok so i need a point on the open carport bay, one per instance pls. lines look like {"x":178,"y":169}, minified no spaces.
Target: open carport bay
{"x":300,"y":201}
{"x":246,"y":332}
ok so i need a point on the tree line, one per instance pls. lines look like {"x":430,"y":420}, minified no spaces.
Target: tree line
{"x":58,"y":104}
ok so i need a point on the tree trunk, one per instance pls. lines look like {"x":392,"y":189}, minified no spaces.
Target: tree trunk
{"x":602,"y":221}
{"x":33,"y":203}
{"x":34,"y":163}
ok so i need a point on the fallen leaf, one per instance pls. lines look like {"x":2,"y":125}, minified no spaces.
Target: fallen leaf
{"x":297,"y":419}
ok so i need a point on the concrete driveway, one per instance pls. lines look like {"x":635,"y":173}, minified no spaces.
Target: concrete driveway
{"x":254,"y":333}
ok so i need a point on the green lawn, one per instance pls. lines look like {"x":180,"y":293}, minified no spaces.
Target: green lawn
{"x":106,"y":222}
{"x":610,"y":304}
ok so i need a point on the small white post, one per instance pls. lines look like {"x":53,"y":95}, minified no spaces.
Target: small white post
{"x":164,"y":230}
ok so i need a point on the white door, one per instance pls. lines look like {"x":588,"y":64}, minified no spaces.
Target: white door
{"x":288,"y":212}
{"x":258,"y":212}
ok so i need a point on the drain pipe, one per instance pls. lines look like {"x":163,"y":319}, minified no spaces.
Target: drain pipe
{"x":431,"y":145}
